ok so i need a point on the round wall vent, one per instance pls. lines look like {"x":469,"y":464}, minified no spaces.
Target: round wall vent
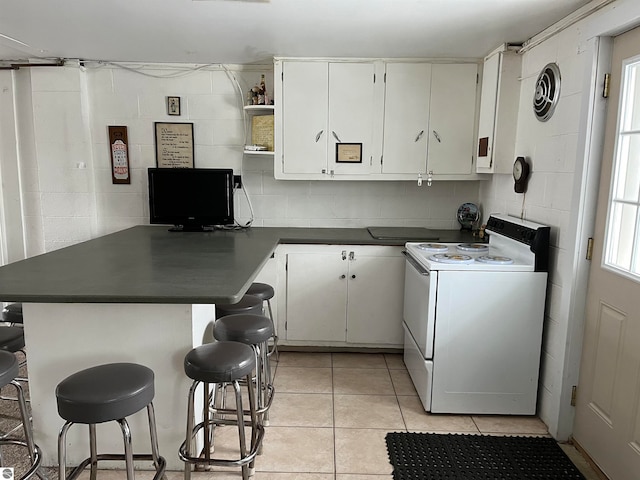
{"x":547,"y":92}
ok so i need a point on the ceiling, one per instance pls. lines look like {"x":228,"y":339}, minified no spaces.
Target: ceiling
{"x":253,"y":31}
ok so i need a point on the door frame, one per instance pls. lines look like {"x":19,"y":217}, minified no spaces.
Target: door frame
{"x":601,"y":32}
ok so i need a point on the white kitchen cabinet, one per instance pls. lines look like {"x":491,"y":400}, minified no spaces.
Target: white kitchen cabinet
{"x":498,"y":116}
{"x":322,"y":104}
{"x":301,"y":120}
{"x":452,"y":117}
{"x":406,"y":118}
{"x":414,"y":119}
{"x":339,"y":295}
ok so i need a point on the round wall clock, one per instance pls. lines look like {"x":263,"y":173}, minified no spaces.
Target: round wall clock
{"x":520,"y":175}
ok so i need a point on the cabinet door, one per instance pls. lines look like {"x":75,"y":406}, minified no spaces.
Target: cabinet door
{"x":406,"y":118}
{"x":316,"y":297}
{"x":304,"y":117}
{"x":351,"y":113}
{"x":486,"y":121}
{"x":375,"y":299}
{"x":452,"y":119}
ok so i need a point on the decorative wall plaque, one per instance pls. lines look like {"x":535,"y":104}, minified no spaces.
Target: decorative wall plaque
{"x":118,"y":145}
{"x":174,"y":145}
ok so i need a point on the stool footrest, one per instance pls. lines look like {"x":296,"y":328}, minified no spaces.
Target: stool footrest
{"x":182,"y":452}
{"x":160,"y":468}
{"x":35,"y":461}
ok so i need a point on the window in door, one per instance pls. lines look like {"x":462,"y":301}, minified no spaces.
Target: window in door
{"x":622,"y":248}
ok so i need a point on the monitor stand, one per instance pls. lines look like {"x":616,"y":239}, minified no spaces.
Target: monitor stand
{"x":192,"y":228}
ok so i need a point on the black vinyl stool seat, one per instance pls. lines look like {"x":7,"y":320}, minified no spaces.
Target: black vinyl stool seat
{"x":215,"y":364}
{"x":12,"y":313}
{"x":11,"y":339}
{"x":9,"y":367}
{"x":107,"y":393}
{"x":265,"y":292}
{"x":248,"y":304}
{"x":253,"y":330}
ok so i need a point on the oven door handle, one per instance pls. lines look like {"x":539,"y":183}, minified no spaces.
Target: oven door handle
{"x":421,"y":270}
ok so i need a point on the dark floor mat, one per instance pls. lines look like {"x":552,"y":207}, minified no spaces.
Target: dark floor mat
{"x":430,"y":456}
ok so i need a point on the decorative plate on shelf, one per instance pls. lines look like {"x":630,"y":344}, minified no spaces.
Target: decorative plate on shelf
{"x":468,"y":214}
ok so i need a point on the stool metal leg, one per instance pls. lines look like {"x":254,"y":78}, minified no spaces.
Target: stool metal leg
{"x":243,"y":441}
{"x":190,"y":427}
{"x":62,"y":451}
{"x":93,"y":451}
{"x":155,"y":450}
{"x":128,"y":448}
{"x":274,"y":350}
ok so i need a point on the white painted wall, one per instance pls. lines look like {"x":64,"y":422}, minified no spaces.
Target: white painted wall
{"x":560,"y":157}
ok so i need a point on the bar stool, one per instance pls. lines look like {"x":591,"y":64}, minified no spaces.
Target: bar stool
{"x":247,"y":304}
{"x":107,"y":393}
{"x":12,"y":314}
{"x":265,"y":292}
{"x":12,"y":340}
{"x":9,"y":367}
{"x":253,"y":330}
{"x":215,"y":364}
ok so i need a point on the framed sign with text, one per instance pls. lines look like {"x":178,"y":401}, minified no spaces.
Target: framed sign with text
{"x":119,"y":146}
{"x":174,"y":145}
{"x":348,"y":153}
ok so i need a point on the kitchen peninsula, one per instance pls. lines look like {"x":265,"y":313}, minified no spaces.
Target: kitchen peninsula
{"x":143,"y":295}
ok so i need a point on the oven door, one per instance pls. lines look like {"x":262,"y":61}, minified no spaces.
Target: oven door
{"x":420,"y":304}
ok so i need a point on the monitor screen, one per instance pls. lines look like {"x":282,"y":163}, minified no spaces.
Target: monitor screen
{"x":191,"y":198}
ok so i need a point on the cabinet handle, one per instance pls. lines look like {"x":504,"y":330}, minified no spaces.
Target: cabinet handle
{"x":344,"y":254}
{"x":335,"y":135}
{"x":429,"y":178}
{"x":353,"y":276}
{"x":419,"y":136}
{"x":435,"y":134}
{"x":324,"y":170}
{"x":319,"y":135}
{"x":343,"y":276}
{"x":352,"y":255}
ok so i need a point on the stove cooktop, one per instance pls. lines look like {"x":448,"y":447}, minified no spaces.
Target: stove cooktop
{"x":467,"y":256}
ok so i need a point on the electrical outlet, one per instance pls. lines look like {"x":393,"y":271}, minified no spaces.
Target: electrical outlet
{"x":237,"y":181}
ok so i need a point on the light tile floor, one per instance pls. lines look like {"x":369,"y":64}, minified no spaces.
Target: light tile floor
{"x":331,"y":414}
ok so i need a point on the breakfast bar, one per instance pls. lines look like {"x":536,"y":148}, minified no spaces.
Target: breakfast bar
{"x":143,"y":295}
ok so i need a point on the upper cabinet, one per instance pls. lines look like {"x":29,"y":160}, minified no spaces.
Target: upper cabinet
{"x":499,"y":103}
{"x":374,"y":120}
{"x":452,"y":119}
{"x":322,"y":104}
{"x":406,"y":118}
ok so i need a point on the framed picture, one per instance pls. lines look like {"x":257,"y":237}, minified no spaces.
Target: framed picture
{"x":174,"y":145}
{"x":348,"y":153}
{"x":173,"y":105}
{"x":119,"y":146}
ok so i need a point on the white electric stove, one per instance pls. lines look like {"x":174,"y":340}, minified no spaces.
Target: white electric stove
{"x":473,"y":317}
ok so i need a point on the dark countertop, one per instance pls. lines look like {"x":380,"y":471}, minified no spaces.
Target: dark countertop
{"x":148,"y":264}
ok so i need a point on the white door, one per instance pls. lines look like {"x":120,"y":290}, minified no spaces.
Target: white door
{"x":406,"y":118}
{"x":374,"y":298}
{"x":304,"y":117}
{"x":316,"y":297}
{"x":452,"y":118}
{"x":607,"y":421}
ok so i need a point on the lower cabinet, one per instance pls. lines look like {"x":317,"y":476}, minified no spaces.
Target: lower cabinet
{"x":342,"y":295}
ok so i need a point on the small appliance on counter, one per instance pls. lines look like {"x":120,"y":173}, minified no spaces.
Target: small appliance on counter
{"x":468,"y":216}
